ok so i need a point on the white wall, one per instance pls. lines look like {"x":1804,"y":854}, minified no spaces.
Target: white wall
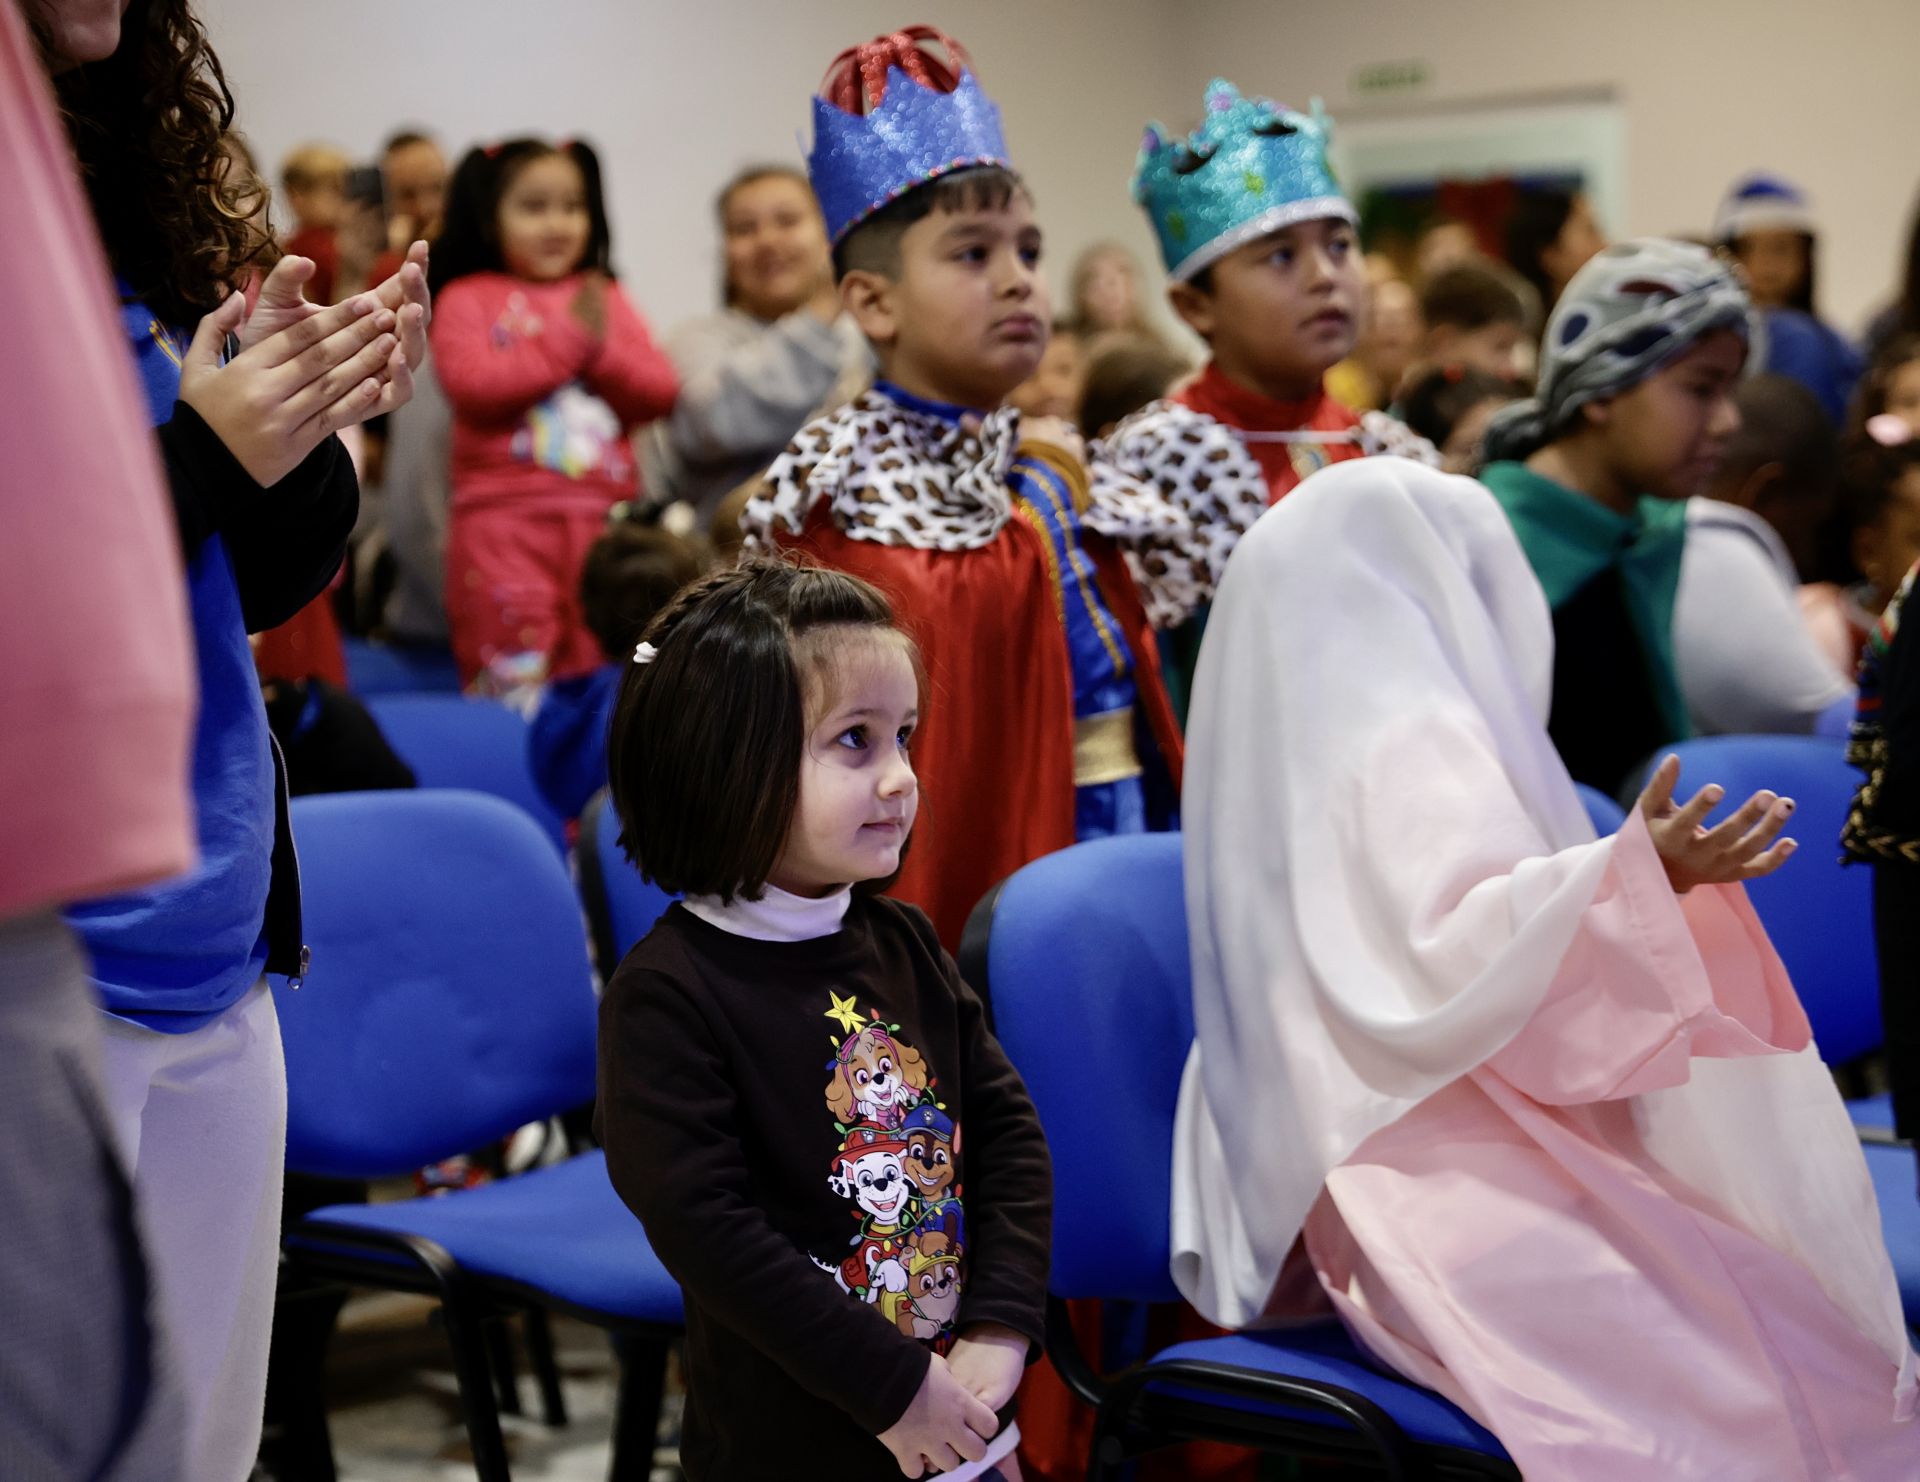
{"x":1824,"y":94}
{"x":677,"y":94}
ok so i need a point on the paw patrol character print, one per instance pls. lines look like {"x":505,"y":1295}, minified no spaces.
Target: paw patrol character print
{"x":927,"y":1305}
{"x":874,"y":1080}
{"x":868,"y":1169}
{"x":931,"y":1164}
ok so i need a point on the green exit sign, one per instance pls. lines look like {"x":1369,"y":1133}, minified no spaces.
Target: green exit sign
{"x":1390,"y":77}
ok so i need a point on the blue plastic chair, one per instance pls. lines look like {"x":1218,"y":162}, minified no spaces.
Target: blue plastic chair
{"x":451,"y":741}
{"x":621,"y":907}
{"x":1893,"y":1171}
{"x":1818,"y":912}
{"x":1096,"y":938}
{"x":449,"y":1002}
{"x":1605,"y":814}
{"x":380,"y":669}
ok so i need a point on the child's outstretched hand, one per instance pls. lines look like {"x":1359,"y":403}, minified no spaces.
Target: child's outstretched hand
{"x":945,"y":1425}
{"x":989,"y":1358}
{"x":1740,"y":847}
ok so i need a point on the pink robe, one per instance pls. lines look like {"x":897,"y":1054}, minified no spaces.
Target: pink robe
{"x":1510,"y":1243}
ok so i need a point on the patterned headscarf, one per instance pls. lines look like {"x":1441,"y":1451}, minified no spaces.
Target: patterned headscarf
{"x":1628,"y":312}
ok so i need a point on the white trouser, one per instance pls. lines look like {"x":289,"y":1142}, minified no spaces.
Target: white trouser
{"x":202,"y":1121}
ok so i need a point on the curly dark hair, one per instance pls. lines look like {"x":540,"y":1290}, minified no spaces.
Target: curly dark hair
{"x":147,"y":125}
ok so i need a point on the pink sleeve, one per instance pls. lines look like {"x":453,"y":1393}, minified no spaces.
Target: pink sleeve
{"x":490,"y":381}
{"x":97,"y":691}
{"x":629,"y":372}
{"x":1652,"y":982}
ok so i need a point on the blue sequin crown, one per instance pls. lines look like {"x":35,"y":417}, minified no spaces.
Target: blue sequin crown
{"x":912,"y":136}
{"x":1252,"y":167}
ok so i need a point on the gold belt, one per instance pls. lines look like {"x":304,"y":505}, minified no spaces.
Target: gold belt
{"x":1103,"y":748}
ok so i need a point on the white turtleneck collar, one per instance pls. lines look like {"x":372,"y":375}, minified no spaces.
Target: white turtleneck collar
{"x":778,"y":916}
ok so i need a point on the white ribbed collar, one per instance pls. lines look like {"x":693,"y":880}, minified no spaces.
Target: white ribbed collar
{"x":778,"y":916}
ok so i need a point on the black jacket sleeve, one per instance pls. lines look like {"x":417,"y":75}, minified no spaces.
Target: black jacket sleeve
{"x":285,"y":542}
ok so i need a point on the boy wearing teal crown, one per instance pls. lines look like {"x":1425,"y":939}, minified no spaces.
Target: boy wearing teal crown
{"x":1005,"y":557}
{"x":1264,"y":264}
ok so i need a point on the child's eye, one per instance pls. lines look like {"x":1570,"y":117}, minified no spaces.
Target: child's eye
{"x":975,"y":254}
{"x":1281,"y":257}
{"x":903,"y":737}
{"x":854,"y":738}
{"x":1340,"y":246}
{"x":1030,"y":256}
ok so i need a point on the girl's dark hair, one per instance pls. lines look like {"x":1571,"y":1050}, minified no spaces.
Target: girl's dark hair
{"x":1870,"y":399}
{"x":469,"y":242}
{"x":1539,"y":216}
{"x":1434,"y":404}
{"x":146,"y":126}
{"x":704,"y":758}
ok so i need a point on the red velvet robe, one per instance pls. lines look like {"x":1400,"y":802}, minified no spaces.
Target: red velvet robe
{"x":994,"y":750}
{"x":1285,"y":464}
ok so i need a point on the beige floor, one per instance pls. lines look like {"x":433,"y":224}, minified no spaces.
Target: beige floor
{"x":395,"y":1411}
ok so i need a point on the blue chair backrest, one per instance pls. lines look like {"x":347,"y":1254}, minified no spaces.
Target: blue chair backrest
{"x":449,"y":999}
{"x":377,"y":669}
{"x":621,"y":905}
{"x":451,"y":741}
{"x":1819,"y":914}
{"x":1605,"y":813}
{"x":1091,"y":990}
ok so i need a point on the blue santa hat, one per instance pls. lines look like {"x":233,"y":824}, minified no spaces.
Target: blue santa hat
{"x":1762,"y":202}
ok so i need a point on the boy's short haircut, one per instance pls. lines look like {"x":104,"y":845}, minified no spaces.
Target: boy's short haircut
{"x":1436,"y":401}
{"x":874,"y":245}
{"x":1472,"y":295}
{"x":708,"y":736}
{"x":631,"y":572}
{"x":1124,"y":376}
{"x":1781,"y":422}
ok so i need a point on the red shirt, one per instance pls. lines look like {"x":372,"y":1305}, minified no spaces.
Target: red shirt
{"x":542,"y":410}
{"x":1285,"y":464}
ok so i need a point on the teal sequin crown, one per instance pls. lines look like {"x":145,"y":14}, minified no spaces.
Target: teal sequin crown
{"x":1251,"y":168}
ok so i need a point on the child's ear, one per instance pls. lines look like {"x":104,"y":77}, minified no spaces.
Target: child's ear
{"x":1194,"y":306}
{"x":869,"y":298}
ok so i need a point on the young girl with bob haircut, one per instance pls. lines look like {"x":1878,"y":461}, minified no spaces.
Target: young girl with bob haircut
{"x":789,"y":1062}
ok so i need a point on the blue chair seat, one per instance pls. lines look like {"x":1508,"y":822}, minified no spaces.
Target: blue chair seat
{"x":1325,"y":1354}
{"x":1893,"y":1172}
{"x":1873,"y":1113}
{"x":379,"y":669}
{"x":561,"y":1230}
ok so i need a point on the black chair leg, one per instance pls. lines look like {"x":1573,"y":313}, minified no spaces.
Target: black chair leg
{"x":295,"y":1444}
{"x":500,"y":1358}
{"x":553,"y":1403}
{"x":466,"y":1336}
{"x":643,"y":1379}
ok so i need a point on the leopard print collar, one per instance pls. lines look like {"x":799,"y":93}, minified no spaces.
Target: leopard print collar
{"x":895,"y":475}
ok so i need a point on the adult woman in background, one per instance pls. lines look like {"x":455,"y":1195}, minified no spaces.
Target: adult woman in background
{"x":776,"y":353}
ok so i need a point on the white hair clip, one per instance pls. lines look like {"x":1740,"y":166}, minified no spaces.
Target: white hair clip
{"x":646,"y":653}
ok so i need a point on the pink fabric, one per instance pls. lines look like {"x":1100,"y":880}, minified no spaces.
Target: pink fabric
{"x":541,"y":409}
{"x":1510,"y":1243}
{"x":96,"y":690}
{"x":513,"y":588}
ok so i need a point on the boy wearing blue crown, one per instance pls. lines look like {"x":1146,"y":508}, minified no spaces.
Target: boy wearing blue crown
{"x":1004,"y":555}
{"x":1264,"y":265}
